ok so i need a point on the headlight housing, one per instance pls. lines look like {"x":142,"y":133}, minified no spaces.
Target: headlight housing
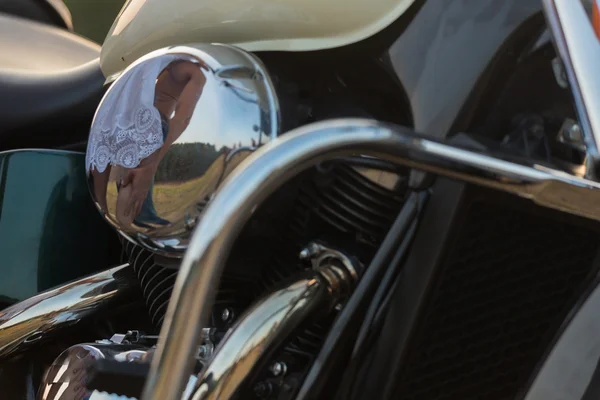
{"x":168,"y":131}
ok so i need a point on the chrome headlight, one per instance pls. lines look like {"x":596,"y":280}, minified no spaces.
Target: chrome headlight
{"x":167,"y":133}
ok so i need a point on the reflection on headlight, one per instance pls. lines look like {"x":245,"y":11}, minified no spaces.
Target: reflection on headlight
{"x":166,"y":134}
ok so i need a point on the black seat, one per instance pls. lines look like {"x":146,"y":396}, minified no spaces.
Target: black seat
{"x":50,"y":84}
{"x":50,"y":12}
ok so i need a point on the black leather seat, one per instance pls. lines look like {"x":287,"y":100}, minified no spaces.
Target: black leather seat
{"x":52,"y":12}
{"x":50,"y":84}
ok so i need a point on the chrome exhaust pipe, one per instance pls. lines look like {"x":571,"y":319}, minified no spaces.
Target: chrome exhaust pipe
{"x":267,"y":324}
{"x":272,"y":165}
{"x":26,"y":323}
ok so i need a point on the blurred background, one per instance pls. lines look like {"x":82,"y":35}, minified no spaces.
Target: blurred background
{"x":93,"y":18}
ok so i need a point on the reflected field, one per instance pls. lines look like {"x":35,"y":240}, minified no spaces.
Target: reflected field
{"x":186,"y":190}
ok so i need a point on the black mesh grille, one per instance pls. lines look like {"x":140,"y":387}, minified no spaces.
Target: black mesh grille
{"x":505,"y":286}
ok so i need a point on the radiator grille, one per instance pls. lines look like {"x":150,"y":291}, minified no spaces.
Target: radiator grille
{"x":506,"y":284}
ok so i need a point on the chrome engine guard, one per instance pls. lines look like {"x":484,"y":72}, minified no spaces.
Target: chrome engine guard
{"x":266,"y":170}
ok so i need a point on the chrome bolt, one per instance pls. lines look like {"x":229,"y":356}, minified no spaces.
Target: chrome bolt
{"x":310,"y":251}
{"x":278,"y":368}
{"x":574,"y":133}
{"x":304,"y":254}
{"x":559,"y":73}
{"x":189,"y":222}
{"x":202,"y":352}
{"x":226,"y":315}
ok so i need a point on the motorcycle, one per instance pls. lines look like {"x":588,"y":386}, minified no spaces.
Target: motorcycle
{"x":395,"y":202}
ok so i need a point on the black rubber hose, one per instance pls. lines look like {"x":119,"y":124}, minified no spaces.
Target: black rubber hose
{"x":373,"y":323}
{"x":338,"y":344}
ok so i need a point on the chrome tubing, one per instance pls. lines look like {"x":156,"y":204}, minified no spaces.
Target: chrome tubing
{"x":272,"y":165}
{"x":35,"y":319}
{"x":259,"y":331}
{"x":579,"y":49}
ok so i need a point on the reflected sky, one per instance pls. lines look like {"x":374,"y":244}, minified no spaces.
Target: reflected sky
{"x":222,"y":116}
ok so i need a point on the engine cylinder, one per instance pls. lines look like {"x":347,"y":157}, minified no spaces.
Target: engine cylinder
{"x":347,"y":207}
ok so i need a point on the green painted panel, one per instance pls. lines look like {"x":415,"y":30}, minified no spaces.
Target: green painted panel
{"x":50,"y":231}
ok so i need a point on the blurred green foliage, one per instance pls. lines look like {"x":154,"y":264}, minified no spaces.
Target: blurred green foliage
{"x":93,"y":18}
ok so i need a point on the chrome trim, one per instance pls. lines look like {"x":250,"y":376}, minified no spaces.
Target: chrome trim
{"x":269,"y":167}
{"x":262,"y":329}
{"x":33,"y":320}
{"x":579,"y":50}
{"x":40,"y":151}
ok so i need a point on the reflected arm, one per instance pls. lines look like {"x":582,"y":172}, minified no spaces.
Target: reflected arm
{"x":187,"y":102}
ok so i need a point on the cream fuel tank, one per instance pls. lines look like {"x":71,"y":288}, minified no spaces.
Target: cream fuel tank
{"x":254,"y":25}
{"x":419,"y":43}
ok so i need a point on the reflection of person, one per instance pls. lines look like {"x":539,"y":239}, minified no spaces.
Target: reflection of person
{"x":596,"y":18}
{"x":177,"y":91}
{"x":140,"y":117}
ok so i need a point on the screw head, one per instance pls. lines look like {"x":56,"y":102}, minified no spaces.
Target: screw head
{"x":310,"y":251}
{"x":278,"y":368}
{"x":226,"y":315}
{"x":574,"y":133}
{"x":189,"y":222}
{"x":304,"y":254}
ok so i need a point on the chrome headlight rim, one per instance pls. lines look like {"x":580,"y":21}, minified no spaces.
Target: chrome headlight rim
{"x":228,"y":70}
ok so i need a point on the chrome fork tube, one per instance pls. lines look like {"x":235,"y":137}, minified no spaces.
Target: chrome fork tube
{"x":266,"y":170}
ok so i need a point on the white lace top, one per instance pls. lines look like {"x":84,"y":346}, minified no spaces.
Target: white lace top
{"x":127,"y":127}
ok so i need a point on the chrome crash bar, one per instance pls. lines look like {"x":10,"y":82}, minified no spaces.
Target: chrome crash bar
{"x":272,"y":165}
{"x":579,"y":49}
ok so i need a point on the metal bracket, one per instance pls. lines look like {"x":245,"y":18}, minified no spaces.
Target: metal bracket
{"x":338,"y":269}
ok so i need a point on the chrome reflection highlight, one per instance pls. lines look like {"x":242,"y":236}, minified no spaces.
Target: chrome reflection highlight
{"x":168,"y":132}
{"x":39,"y":317}
{"x":579,"y":50}
{"x":249,"y":345}
{"x":69,"y":374}
{"x":267,"y":169}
